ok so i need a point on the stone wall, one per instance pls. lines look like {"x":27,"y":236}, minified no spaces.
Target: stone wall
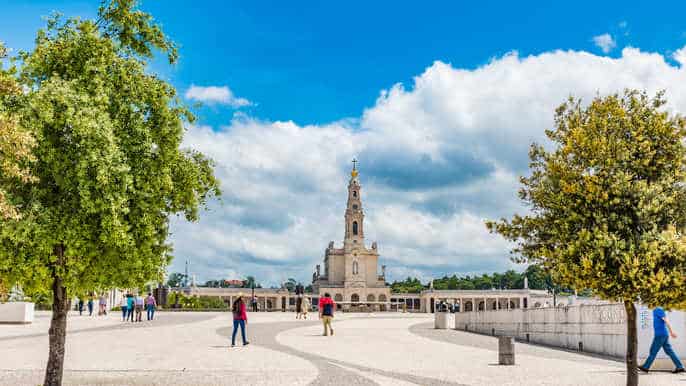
{"x":599,"y":329}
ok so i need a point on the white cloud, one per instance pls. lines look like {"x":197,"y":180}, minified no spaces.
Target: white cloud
{"x":285,"y":184}
{"x":214,"y":94}
{"x":605,"y":42}
{"x":680,"y":56}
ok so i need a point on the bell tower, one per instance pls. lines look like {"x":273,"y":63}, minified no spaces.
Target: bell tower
{"x":354,"y":216}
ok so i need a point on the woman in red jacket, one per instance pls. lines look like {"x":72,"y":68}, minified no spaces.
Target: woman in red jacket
{"x":240,"y":318}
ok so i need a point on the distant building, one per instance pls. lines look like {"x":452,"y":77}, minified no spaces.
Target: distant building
{"x":351,"y":274}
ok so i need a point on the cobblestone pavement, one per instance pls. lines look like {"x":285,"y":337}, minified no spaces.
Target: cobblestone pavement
{"x":368,"y":349}
{"x":331,"y":372}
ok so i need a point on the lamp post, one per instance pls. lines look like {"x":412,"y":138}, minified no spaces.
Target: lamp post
{"x":252,"y":300}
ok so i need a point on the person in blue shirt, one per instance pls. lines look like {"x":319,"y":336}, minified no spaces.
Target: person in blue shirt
{"x":131,"y":303}
{"x":663,"y":330}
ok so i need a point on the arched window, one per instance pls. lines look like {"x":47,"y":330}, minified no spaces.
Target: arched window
{"x":354,"y":193}
{"x":370,"y":298}
{"x":355,"y":298}
{"x":355,"y":228}
{"x":338,"y":298}
{"x":356,"y":268}
{"x":468,"y":306}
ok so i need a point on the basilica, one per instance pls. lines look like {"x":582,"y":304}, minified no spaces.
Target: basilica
{"x":353,"y":277}
{"x":351,"y":273}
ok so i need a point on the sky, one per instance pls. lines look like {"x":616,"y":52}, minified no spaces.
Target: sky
{"x":439,"y":101}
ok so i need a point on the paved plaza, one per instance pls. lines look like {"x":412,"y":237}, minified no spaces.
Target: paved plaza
{"x":367,"y":349}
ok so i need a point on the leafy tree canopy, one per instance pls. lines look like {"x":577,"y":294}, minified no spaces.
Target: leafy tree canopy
{"x":511,"y":279}
{"x":608,"y":205}
{"x":15,"y":142}
{"x":108,"y":165}
{"x":608,"y":202}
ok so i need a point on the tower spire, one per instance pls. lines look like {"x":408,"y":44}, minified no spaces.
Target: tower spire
{"x":354,"y":217}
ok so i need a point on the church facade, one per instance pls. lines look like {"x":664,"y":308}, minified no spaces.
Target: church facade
{"x":351,"y":273}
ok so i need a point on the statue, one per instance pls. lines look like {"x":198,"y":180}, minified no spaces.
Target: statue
{"x":526,"y":282}
{"x":330,"y":244}
{"x":318,"y":270}
{"x":383,"y":271}
{"x":374,"y":245}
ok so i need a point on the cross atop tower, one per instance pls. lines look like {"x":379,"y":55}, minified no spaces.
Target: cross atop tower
{"x":354,"y":172}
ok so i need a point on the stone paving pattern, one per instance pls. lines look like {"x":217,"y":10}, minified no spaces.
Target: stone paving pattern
{"x":368,"y":349}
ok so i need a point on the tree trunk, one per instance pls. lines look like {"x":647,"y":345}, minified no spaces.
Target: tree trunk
{"x":58,"y":324}
{"x":631,"y":345}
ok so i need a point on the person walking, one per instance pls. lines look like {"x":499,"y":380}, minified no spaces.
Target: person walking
{"x":90,"y":305}
{"x":150,"y":304}
{"x":139,"y":303}
{"x":80,"y":306}
{"x":326,"y":309}
{"x":102,"y":303}
{"x":130,"y":305}
{"x":124,"y":307}
{"x":662,"y":330}
{"x":254,"y":304}
{"x":240,"y":319}
{"x":298,"y":306}
{"x":305,"y":307}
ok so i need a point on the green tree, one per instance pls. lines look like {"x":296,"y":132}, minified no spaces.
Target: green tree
{"x":16,"y":143}
{"x":290,"y":284}
{"x":175,"y":279}
{"x":536,"y":276}
{"x":607,"y":204}
{"x":108,"y":163}
{"x":250,"y":282}
{"x":410,"y":285}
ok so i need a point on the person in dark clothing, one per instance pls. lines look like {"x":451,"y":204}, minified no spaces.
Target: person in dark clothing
{"x":254,"y":304}
{"x":240,"y":319}
{"x":90,"y":306}
{"x":80,"y":306}
{"x":298,"y":307}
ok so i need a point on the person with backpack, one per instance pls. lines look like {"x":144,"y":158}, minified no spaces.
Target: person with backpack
{"x":240,"y":318}
{"x":326,"y":307}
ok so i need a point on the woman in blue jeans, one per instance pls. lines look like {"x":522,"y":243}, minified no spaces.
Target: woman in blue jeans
{"x":240,"y":318}
{"x":124,"y":308}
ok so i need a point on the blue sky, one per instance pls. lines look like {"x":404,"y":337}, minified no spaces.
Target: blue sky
{"x":439,"y":102}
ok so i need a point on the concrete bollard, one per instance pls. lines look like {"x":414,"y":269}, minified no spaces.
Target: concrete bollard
{"x":444,"y":320}
{"x":506,"y":350}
